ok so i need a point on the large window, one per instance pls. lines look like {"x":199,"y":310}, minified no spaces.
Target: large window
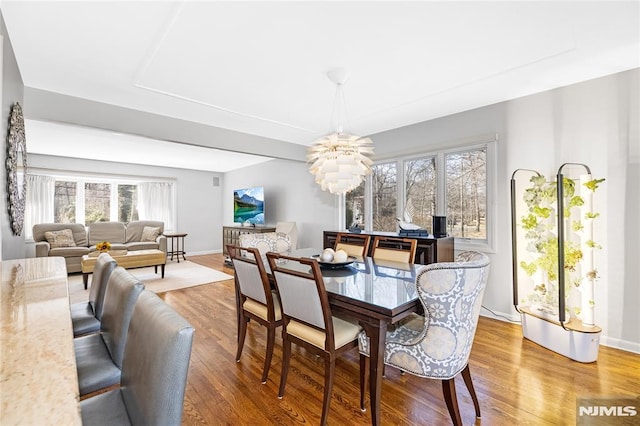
{"x":452,"y":183}
{"x":467,"y":193}
{"x":88,"y":202}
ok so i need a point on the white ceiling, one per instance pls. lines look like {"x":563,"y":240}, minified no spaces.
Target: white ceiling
{"x":260,"y":67}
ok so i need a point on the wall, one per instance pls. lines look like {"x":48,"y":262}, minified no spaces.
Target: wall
{"x":290,"y":195}
{"x":594,"y":122}
{"x":12,"y":91}
{"x":198,"y":200}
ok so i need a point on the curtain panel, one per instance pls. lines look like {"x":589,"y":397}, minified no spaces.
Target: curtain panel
{"x":157,"y":201}
{"x":39,"y":207}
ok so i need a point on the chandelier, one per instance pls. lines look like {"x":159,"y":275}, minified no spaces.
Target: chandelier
{"x":339,"y":160}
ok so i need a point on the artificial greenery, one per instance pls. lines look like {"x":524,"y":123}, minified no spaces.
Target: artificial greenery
{"x":539,"y":224}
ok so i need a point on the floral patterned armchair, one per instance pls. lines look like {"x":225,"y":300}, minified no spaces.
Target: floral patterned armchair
{"x":438,"y":345}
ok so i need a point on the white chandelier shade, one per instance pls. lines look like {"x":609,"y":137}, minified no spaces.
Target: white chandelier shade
{"x":339,"y":160}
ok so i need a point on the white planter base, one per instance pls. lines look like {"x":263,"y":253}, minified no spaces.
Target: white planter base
{"x":579,"y":345}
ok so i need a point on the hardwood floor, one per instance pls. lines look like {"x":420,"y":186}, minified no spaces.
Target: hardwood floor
{"x":517,"y":381}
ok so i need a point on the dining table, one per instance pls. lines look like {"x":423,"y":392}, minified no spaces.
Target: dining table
{"x":377,"y":294}
{"x":38,"y":378}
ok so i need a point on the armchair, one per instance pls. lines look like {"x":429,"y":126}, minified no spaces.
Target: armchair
{"x":438,"y":345}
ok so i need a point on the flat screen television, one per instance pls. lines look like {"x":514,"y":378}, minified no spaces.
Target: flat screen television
{"x":248,"y":205}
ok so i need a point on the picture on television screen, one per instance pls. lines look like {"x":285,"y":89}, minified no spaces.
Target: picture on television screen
{"x":248,"y":205}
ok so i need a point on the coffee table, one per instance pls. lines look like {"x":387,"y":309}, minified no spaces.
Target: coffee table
{"x":130,"y":260}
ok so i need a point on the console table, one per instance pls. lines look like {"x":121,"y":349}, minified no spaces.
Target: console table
{"x":231,"y":234}
{"x":429,"y":249}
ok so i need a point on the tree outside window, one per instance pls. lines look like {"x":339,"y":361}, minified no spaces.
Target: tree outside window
{"x":97,"y":202}
{"x":466,"y":193}
{"x":127,"y":203}
{"x":64,"y":202}
{"x":354,"y":207}
{"x":384,"y":195}
{"x":420,"y":189}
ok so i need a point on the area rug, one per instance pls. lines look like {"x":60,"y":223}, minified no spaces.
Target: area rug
{"x":176,"y":276}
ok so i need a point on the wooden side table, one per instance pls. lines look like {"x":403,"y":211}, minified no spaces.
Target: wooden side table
{"x":177,"y":249}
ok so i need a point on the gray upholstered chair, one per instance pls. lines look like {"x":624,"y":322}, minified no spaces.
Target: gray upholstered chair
{"x":99,"y":356}
{"x":154,"y":370}
{"x":354,"y":244}
{"x":438,"y":345}
{"x":307,"y":319}
{"x":86,"y":316}
{"x":254,"y":299}
{"x":394,"y":249}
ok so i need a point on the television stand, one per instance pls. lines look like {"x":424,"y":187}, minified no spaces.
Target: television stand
{"x":231,"y":234}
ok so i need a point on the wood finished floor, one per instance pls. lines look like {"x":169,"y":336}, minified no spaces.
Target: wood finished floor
{"x":517,"y":381}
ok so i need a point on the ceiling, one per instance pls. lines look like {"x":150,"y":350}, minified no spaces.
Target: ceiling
{"x":260,"y":67}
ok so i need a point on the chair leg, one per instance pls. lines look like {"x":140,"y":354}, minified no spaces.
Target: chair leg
{"x":466,"y":375}
{"x":329,"y":371}
{"x":449,"y":392}
{"x":242,"y":332}
{"x":286,"y":355}
{"x":271,"y":338}
{"x":364,"y":367}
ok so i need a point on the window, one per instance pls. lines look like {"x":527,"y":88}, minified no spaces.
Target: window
{"x":84,"y":201}
{"x":64,"y":203}
{"x":384,"y":196}
{"x":467,"y":193}
{"x":420,"y":190}
{"x":453,"y":183}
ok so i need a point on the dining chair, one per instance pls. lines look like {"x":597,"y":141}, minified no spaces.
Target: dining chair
{"x":438,"y":345}
{"x":254,"y":299}
{"x":86,"y":316}
{"x":355,"y":245}
{"x":99,"y":355}
{"x":290,"y":229}
{"x":394,"y":249}
{"x":154,"y":370}
{"x":307,"y":319}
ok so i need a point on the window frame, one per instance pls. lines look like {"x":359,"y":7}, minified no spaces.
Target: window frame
{"x":488,"y":142}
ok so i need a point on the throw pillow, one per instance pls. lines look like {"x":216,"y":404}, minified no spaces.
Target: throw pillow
{"x":62,"y":238}
{"x":150,"y":233}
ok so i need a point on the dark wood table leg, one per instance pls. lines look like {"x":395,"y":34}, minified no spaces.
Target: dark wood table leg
{"x":162,"y":269}
{"x":376,"y":332}
{"x":85,"y":279}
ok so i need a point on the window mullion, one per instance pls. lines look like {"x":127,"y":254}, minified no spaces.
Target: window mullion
{"x":441,"y":185}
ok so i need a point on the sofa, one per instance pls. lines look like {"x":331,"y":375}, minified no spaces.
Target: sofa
{"x":74,"y":240}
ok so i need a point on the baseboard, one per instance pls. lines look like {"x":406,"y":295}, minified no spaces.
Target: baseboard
{"x":198,"y":253}
{"x":610,"y":342}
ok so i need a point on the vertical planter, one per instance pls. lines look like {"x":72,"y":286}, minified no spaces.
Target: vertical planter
{"x":553,"y":252}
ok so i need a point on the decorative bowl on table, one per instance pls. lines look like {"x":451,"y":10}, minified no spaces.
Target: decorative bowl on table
{"x":334,"y":264}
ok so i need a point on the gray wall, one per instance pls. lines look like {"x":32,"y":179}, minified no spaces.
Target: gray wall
{"x":12,"y":91}
{"x":290,"y":195}
{"x":594,"y":122}
{"x":198,"y":200}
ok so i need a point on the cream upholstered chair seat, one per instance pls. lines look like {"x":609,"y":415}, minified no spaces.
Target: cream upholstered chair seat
{"x":262,"y":310}
{"x":438,"y":345}
{"x":343,"y":332}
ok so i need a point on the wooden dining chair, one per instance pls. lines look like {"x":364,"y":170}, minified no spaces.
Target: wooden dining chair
{"x":355,"y":245}
{"x":254,"y":299}
{"x":438,"y":345}
{"x":394,"y":249}
{"x":307,"y":319}
{"x":86,"y":316}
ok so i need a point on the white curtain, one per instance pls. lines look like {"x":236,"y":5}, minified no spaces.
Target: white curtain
{"x":156,"y":201}
{"x":39,"y":203}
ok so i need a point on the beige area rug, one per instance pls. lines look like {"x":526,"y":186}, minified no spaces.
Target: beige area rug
{"x":176,"y":276}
